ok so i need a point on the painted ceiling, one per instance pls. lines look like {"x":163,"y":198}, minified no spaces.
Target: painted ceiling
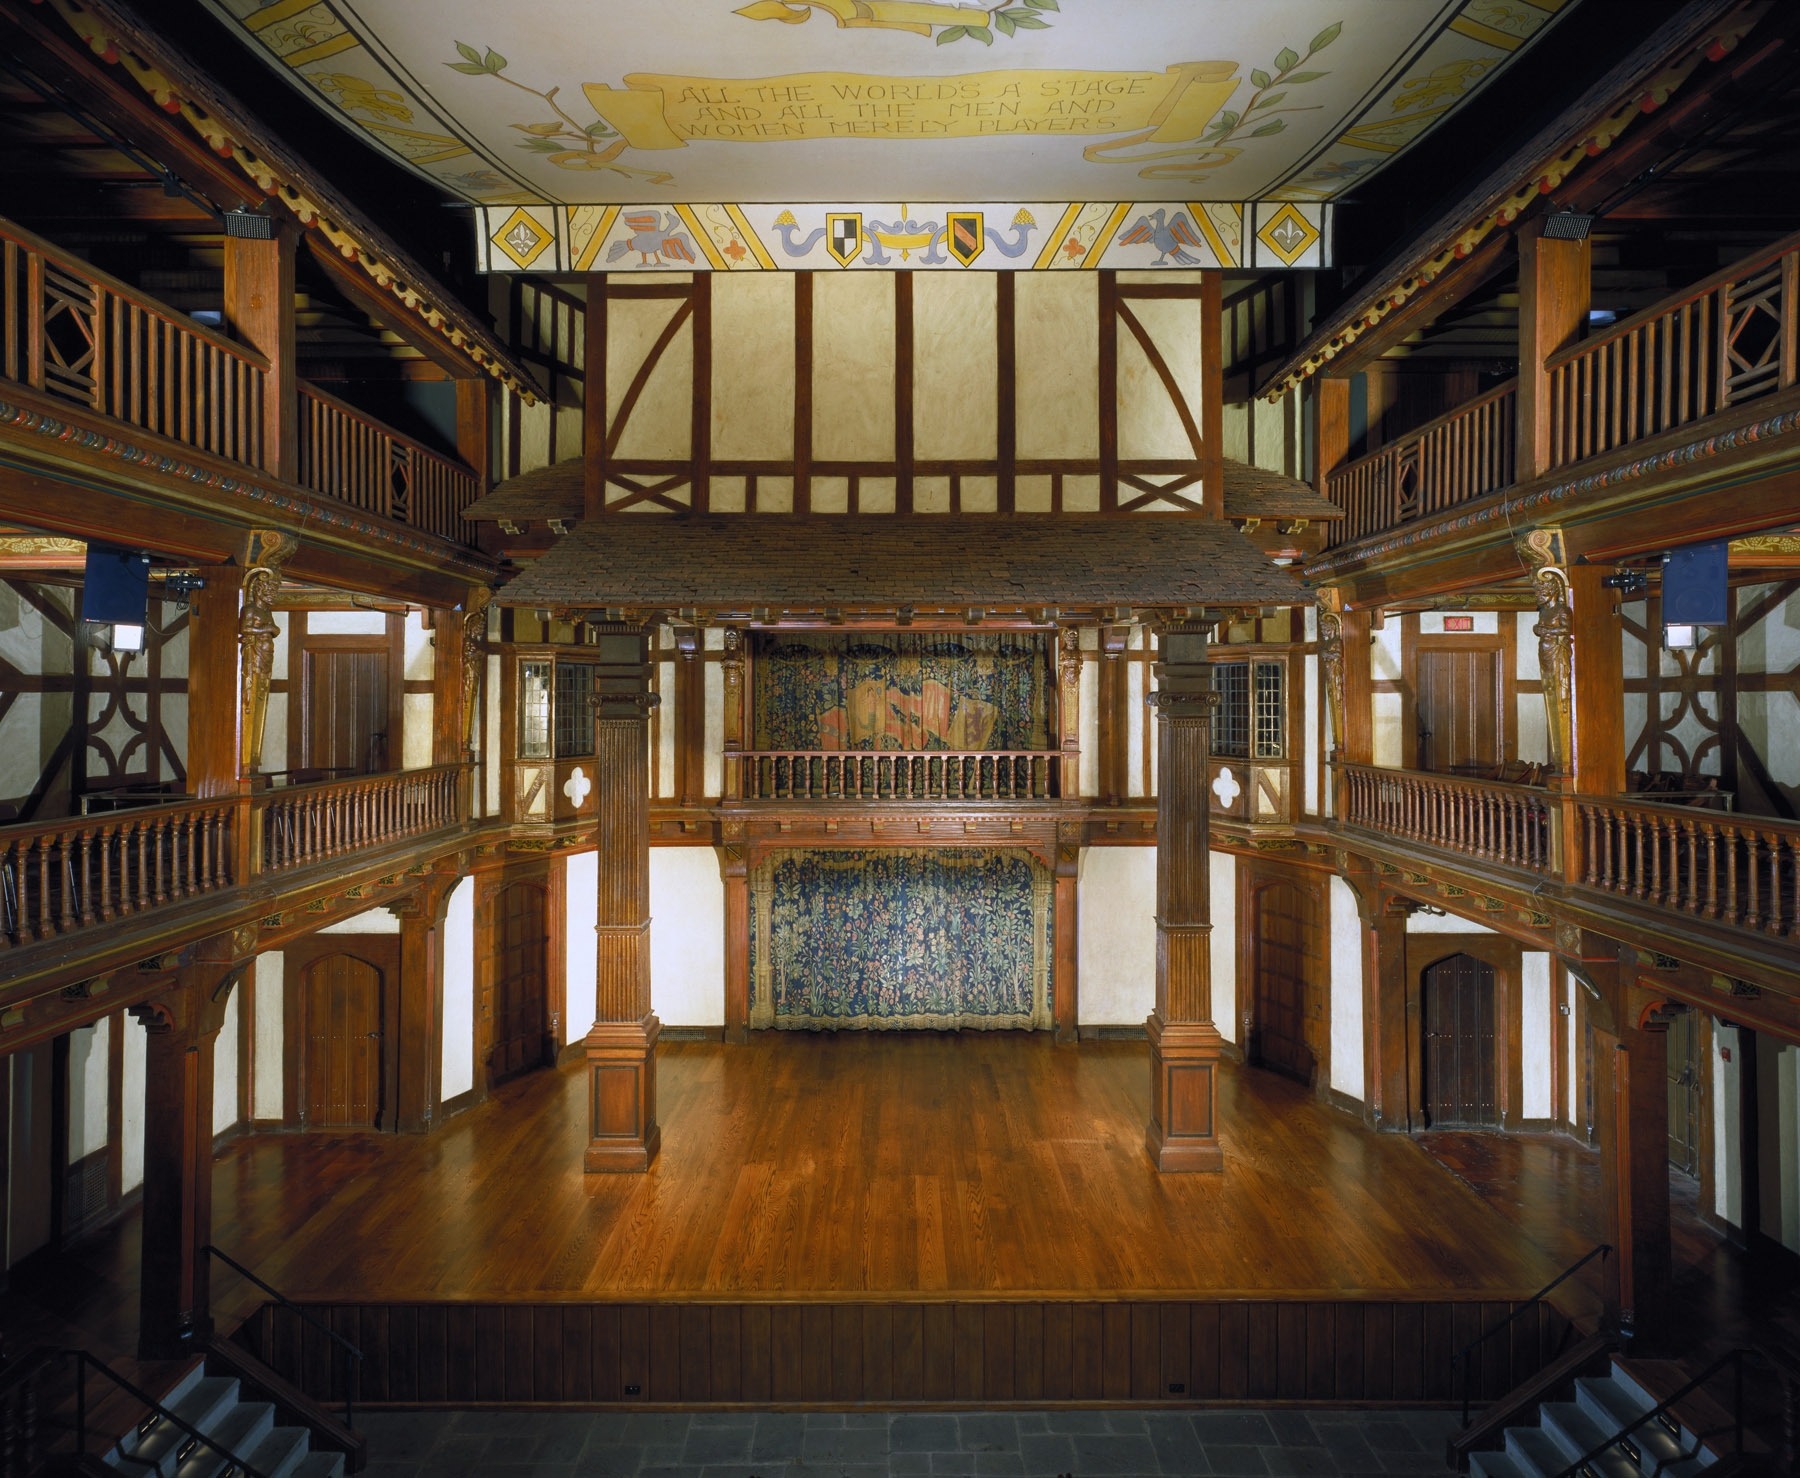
{"x":648,"y":104}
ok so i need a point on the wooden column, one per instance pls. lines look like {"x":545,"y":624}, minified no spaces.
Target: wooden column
{"x":474,"y":428}
{"x":621,"y":1045}
{"x":593,"y":398}
{"x":1597,"y":684}
{"x":418,"y":1036}
{"x":1068,"y":713}
{"x":1331,"y":427}
{"x":1114,"y":729}
{"x":1388,"y":1027}
{"x":1065,"y":978}
{"x":259,"y":311}
{"x":1555,"y":291}
{"x":182,"y":1026}
{"x":1631,"y":1110}
{"x":735,"y":873}
{"x":447,"y":732}
{"x":1184,"y":1044}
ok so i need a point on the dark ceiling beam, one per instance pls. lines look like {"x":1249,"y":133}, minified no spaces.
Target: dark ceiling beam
{"x":387,"y":310}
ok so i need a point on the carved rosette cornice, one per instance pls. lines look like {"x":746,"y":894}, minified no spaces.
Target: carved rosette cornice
{"x":474,"y":641}
{"x":1176,"y":705}
{"x":1546,"y":554}
{"x":266,"y":551}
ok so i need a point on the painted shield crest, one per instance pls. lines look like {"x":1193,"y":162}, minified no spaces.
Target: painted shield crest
{"x":964,"y":235}
{"x":844,"y":237}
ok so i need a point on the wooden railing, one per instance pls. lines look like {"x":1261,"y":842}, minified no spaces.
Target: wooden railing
{"x":71,"y":331}
{"x":314,"y":823}
{"x":1725,"y":340}
{"x":76,"y":874}
{"x":1454,"y":459}
{"x":354,"y":458}
{"x":1489,"y":819}
{"x":939,"y":775}
{"x":1737,"y":870}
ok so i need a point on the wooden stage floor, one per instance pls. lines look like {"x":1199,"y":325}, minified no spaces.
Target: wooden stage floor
{"x":987,"y":1165}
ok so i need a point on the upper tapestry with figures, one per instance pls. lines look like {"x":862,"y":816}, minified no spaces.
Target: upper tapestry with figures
{"x":1185,"y":123}
{"x":905,"y":691}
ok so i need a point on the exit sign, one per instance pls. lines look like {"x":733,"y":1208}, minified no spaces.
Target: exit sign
{"x":1459,"y":623}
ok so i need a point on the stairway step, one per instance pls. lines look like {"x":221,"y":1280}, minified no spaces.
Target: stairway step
{"x":282,"y":1452}
{"x":1577,"y":1431}
{"x":1496,"y":1465}
{"x":1616,"y":1406}
{"x":202,"y":1405}
{"x":319,"y":1465}
{"x":1536,"y":1453}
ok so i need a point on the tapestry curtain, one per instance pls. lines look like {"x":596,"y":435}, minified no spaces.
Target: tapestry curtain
{"x":939,"y":938}
{"x":982,"y":690}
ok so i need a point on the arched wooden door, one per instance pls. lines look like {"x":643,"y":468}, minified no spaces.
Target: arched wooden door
{"x":1459,"y":1080}
{"x":341,"y":1004}
{"x":520,"y":963}
{"x":1289,"y":960}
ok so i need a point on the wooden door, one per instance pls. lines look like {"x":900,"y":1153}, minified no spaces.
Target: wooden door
{"x":520,"y":958}
{"x":1290,"y":960}
{"x":1458,"y":1078}
{"x":1457,"y":708}
{"x":341,"y":1005}
{"x":1684,"y":1091}
{"x":346,"y":719}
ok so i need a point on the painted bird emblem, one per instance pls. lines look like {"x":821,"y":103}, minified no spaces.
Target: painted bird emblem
{"x":1168,"y":237}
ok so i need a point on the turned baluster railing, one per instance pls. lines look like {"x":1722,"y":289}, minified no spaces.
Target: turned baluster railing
{"x":352,"y":457}
{"x":74,"y":874}
{"x":71,"y":331}
{"x":314,"y":823}
{"x":891,"y":775}
{"x":1489,"y":819}
{"x":1738,"y":870}
{"x":1457,"y":457}
{"x":1727,"y":339}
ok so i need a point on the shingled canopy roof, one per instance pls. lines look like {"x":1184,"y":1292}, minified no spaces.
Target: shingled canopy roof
{"x":943,"y":561}
{"x":554,"y":492}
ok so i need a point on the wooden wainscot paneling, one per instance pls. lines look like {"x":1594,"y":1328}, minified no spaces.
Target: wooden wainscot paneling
{"x":955,"y":1353}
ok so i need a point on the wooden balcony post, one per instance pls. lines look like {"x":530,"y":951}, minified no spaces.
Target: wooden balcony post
{"x":1183,"y":1132}
{"x":418,"y":1043}
{"x":1389,"y":1020}
{"x":182,"y":1024}
{"x":735,"y":719}
{"x":213,"y":713}
{"x":474,"y":429}
{"x":1068,"y":713}
{"x":1347,"y":680}
{"x":1331,"y":428}
{"x":734,"y":872}
{"x":1555,"y":292}
{"x":1065,"y":980}
{"x":259,"y":311}
{"x":621,"y":1045}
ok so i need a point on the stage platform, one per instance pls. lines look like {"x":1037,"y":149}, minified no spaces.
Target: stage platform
{"x":894,"y":1218}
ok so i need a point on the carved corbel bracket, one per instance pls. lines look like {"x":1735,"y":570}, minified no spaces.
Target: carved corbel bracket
{"x":474,"y":638}
{"x":265,"y":552}
{"x":1547,"y":555}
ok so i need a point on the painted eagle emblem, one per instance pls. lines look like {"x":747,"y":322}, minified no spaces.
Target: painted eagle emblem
{"x":1169,"y":236}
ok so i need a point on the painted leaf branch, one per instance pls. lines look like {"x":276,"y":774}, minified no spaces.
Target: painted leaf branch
{"x":1007,"y":18}
{"x":1259,"y":117}
{"x":568,"y":142}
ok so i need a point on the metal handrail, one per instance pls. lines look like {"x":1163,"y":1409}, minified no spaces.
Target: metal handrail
{"x":234,"y":1465}
{"x":1459,"y":1362}
{"x":353,"y":1357}
{"x":1734,"y":1358}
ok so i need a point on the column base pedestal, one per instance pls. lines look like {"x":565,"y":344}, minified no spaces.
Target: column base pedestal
{"x":621,"y":1065}
{"x":1183,"y":1135}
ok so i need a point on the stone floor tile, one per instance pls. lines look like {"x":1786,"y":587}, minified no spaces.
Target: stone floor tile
{"x":710,"y":1446}
{"x":906,"y":1464}
{"x":846,"y":1445}
{"x":1389,"y":1434}
{"x":952,"y":1464}
{"x":1031,"y":1421}
{"x":722,"y":1419}
{"x":1111,"y":1452}
{"x":1301,"y":1462}
{"x":1131,"y":1423}
{"x":1047,"y":1453}
{"x":610,"y":1460}
{"x":656,"y":1428}
{"x":779,"y":1434}
{"x":1235,"y":1428}
{"x":1075,"y":1421}
{"x":923,"y":1432}
{"x":1292,"y":1429}
{"x":988,"y":1432}
{"x":1235,"y":1458}
{"x":999,"y":1465}
{"x":1178,"y":1450}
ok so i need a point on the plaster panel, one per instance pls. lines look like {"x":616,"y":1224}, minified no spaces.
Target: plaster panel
{"x":687,"y":936}
{"x":581,"y":888}
{"x":1221,"y":880}
{"x":1384,"y":654}
{"x":1534,"y":1033}
{"x":88,"y":1048}
{"x":1311,"y":738}
{"x":1346,"y":993}
{"x":1728,"y":1165}
{"x":131,"y":1104}
{"x":1149,"y":418}
{"x":1057,"y":319}
{"x":420,"y":648}
{"x":459,"y":991}
{"x":225,"y":1065}
{"x":1116,"y":954}
{"x":1449,"y":923}
{"x":415,"y":730}
{"x":370,"y":921}
{"x":1390,"y":715}
{"x":269,"y":988}
{"x":346,"y":623}
{"x":955,"y":365}
{"x":753,"y":365}
{"x":876,"y":495}
{"x":713,"y":774}
{"x":853,"y":365}
{"x":661,"y":423}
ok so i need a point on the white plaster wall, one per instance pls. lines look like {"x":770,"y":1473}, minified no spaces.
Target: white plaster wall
{"x":459,"y":990}
{"x":415,"y":730}
{"x":346,"y":623}
{"x":1221,"y":880}
{"x":370,"y":921}
{"x":687,"y":936}
{"x":1728,"y":1167}
{"x":1116,"y":917}
{"x":87,"y":1088}
{"x":581,"y":889}
{"x":713,"y":775}
{"x":1770,"y":722}
{"x":1535,"y":1044}
{"x":1533,"y":730}
{"x":1572,"y":1109}
{"x":225,"y":1065}
{"x":1346,"y":993}
{"x":131,"y":1105}
{"x":268,"y":986}
{"x":1425,"y":923}
{"x":1090,"y":714}
{"x":1312,"y":741}
{"x":1390,"y":723}
{"x":488,"y":741}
